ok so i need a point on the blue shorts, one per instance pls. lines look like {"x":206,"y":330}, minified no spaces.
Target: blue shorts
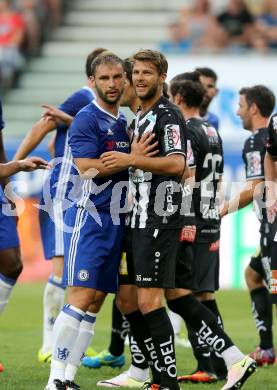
{"x":8,"y":232}
{"x":92,"y":252}
{"x":51,"y":229}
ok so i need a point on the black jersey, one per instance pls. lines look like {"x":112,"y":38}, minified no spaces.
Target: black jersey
{"x":157,"y":198}
{"x":253,"y":154}
{"x":272,"y":136}
{"x":208,"y":162}
{"x":272,"y":150}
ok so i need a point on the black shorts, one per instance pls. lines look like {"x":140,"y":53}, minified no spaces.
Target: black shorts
{"x":273,"y":266}
{"x":205,"y":268}
{"x":155,"y":253}
{"x":260,"y":261}
{"x":184,"y":263}
{"x":126,"y":268}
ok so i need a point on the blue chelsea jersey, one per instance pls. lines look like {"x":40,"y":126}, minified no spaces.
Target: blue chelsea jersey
{"x":93,"y":132}
{"x":212,"y":119}
{"x":3,"y":199}
{"x":59,"y":183}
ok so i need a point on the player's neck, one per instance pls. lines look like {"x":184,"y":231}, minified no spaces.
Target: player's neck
{"x":190,"y":112}
{"x":135,"y":104}
{"x":259,"y":123}
{"x":147,"y":104}
{"x":110,"y":108}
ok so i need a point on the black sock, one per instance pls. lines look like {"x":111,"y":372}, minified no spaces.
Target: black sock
{"x":217,"y":361}
{"x":262,"y":313}
{"x":162,"y":334}
{"x":212,"y":305}
{"x":200,"y":350}
{"x":143,"y":338}
{"x":138,"y":359}
{"x":202,"y":320}
{"x":120,"y":329}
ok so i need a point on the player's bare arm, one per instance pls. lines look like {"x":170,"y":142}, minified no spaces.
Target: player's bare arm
{"x":57,"y":115}
{"x":34,"y":137}
{"x":94,"y":167}
{"x":27,"y":165}
{"x":243,"y":198}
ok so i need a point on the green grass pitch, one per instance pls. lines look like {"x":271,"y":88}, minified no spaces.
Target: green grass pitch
{"x":20,"y":337}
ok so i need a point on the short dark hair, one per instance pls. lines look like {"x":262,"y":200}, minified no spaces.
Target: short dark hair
{"x":192,"y":92}
{"x":157,"y":58}
{"x":106,"y":57}
{"x":193,"y":76}
{"x":128,"y":68}
{"x":207,"y":72}
{"x":165,"y":90}
{"x":91,"y":57}
{"x":262,"y":96}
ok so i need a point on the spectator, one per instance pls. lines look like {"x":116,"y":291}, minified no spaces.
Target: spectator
{"x":188,"y":33}
{"x":55,"y":8}
{"x":267,"y":24}
{"x":235,"y":29}
{"x":197,"y":20}
{"x":12,"y":29}
{"x":29,"y":10}
{"x":178,"y":39}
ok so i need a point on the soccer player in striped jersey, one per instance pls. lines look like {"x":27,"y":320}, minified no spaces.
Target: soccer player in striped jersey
{"x":154,"y":262}
{"x":55,"y":192}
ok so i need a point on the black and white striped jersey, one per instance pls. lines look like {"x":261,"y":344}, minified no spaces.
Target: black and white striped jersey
{"x":157,"y":198}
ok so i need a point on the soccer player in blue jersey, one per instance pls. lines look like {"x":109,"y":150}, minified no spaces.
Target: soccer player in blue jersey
{"x":92,"y":248}
{"x":55,"y":192}
{"x":10,"y":262}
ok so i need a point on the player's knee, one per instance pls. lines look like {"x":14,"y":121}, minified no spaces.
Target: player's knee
{"x":125,"y":304}
{"x":147,"y":305}
{"x":252,"y":278}
{"x":15,"y":268}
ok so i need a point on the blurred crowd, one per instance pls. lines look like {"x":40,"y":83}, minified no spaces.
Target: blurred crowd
{"x":24,"y":24}
{"x":225,"y":26}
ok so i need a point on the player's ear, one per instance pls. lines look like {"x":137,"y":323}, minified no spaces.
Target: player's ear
{"x":163,"y":77}
{"x":92,"y":80}
{"x":254,"y":108}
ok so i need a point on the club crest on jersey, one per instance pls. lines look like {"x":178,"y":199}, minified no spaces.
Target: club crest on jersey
{"x":83,"y":275}
{"x":172,"y":137}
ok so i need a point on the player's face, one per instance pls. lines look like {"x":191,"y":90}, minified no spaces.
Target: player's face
{"x":210,"y":86}
{"x":109,"y":81}
{"x":128,"y":95}
{"x":146,"y":79}
{"x":244,"y":113}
